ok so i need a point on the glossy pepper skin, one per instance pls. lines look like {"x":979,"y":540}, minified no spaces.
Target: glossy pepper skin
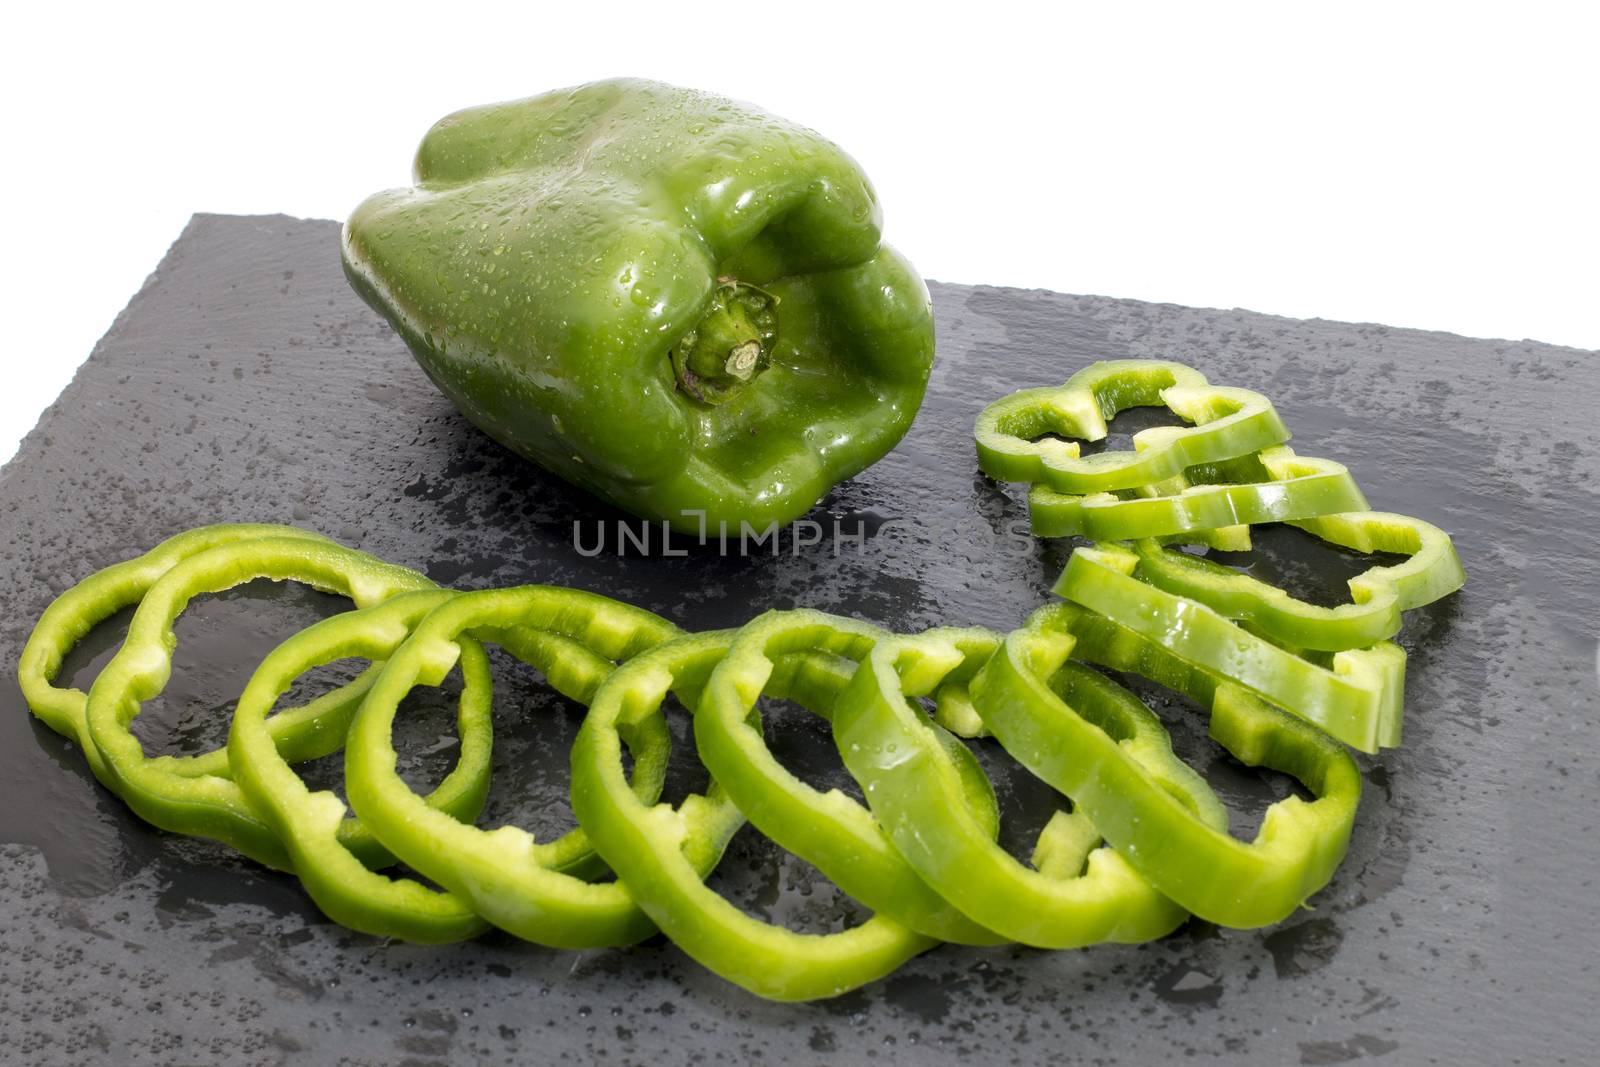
{"x":677,"y":302}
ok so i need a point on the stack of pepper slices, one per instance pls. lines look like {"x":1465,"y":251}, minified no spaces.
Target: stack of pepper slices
{"x":1288,"y":686}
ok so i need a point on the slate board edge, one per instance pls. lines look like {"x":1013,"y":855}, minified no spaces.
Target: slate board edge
{"x":1318,"y":1051}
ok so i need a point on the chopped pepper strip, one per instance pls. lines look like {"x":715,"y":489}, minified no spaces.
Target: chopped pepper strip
{"x":521,"y":886}
{"x":309,"y":822}
{"x":1051,"y":715}
{"x":662,"y":853}
{"x":1226,"y":423}
{"x":1378,"y":595}
{"x":211,"y":805}
{"x":1356,"y":698}
{"x":71,"y":616}
{"x":831,"y":831}
{"x":1068,"y":899}
{"x":1275,"y":485}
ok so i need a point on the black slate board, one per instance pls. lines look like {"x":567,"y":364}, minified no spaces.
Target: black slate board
{"x":246,"y":382}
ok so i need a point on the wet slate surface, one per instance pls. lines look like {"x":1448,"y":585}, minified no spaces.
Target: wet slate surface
{"x":245,"y":382}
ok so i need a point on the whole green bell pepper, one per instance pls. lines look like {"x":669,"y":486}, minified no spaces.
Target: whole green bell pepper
{"x":676,"y":302}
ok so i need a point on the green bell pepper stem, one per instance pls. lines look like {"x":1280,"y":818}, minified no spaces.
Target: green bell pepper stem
{"x":212,"y":805}
{"x":71,"y":616}
{"x":1076,"y":894}
{"x":662,"y":853}
{"x":1357,"y":698}
{"x":1053,"y":715}
{"x":731,"y":344}
{"x":309,"y":822}
{"x":1378,"y":595}
{"x":1274,"y":486}
{"x":831,"y":831}
{"x":1226,"y":423}
{"x":712,"y":274}
{"x":522,"y":886}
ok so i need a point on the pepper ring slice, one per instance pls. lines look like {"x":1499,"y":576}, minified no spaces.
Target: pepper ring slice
{"x":662,"y":853}
{"x":528,"y":888}
{"x":212,"y":805}
{"x":1075,"y":894}
{"x":308,"y":822}
{"x":71,"y":616}
{"x":831,"y":831}
{"x":1226,"y":423}
{"x":1049,"y":716}
{"x":1378,"y":595}
{"x":1275,"y":485}
{"x":1357,"y":697}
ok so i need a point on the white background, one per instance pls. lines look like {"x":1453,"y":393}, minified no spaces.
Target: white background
{"x":1417,"y":165}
